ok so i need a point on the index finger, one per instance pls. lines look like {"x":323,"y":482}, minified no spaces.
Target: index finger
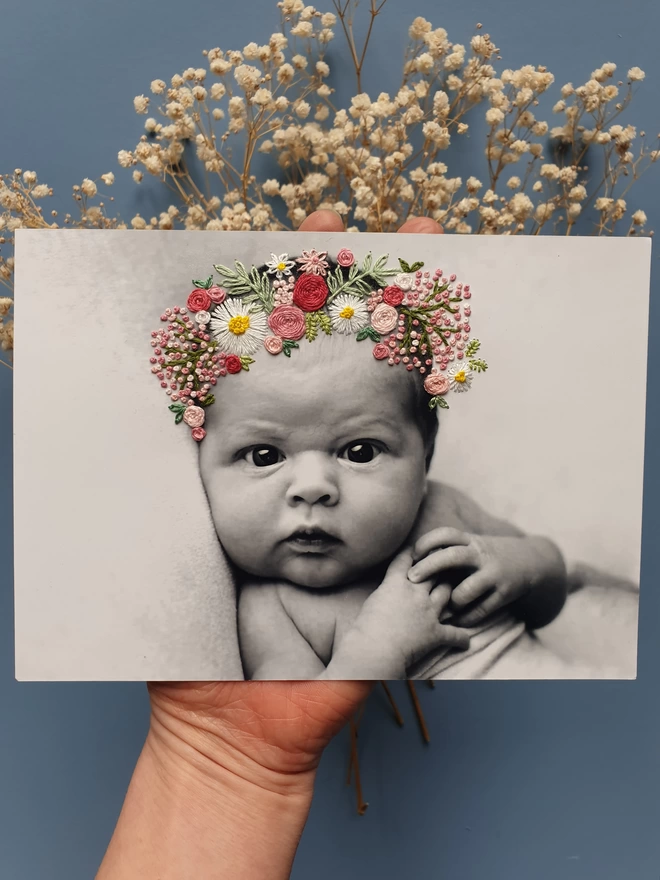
{"x":437,"y":538}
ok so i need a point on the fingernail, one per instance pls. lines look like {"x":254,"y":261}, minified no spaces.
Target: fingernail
{"x":413,"y":576}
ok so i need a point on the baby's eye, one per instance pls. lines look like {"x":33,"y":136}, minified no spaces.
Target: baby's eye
{"x":361,"y":451}
{"x":263,"y":456}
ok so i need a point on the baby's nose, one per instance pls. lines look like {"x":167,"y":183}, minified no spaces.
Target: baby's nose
{"x":313,"y":481}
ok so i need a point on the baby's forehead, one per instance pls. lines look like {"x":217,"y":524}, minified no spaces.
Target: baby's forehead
{"x":332,"y":378}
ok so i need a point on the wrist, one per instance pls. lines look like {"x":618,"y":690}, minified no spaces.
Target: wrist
{"x":192,"y":812}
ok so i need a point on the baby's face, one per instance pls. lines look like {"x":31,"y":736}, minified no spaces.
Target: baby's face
{"x":314,"y":467}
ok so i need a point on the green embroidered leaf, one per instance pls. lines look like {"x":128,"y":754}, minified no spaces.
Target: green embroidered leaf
{"x":178,"y":418}
{"x":473,"y":347}
{"x":287,"y":345}
{"x":416,"y":266}
{"x":404,"y":266}
{"x":311,"y":326}
{"x":246,"y":361}
{"x":478,"y":365}
{"x":204,"y":284}
{"x":208,"y":400}
{"x":326,"y":324}
{"x":367,"y":333}
{"x":366,"y":264}
{"x":252,"y":286}
{"x":177,"y":407}
{"x":438,"y":402}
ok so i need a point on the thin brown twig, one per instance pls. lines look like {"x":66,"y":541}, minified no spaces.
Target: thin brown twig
{"x":397,"y":715}
{"x":361,"y":803}
{"x":418,"y":711}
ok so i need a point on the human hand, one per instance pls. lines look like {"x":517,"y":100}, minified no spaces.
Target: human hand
{"x":400,"y":620}
{"x":502,"y":570}
{"x":273,"y":732}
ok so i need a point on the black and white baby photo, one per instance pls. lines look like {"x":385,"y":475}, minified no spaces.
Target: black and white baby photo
{"x":276,"y":478}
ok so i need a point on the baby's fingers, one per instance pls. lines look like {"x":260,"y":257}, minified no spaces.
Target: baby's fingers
{"x":400,"y":565}
{"x":441,"y":560}
{"x":471,"y":588}
{"x":452,"y":637}
{"x":476,"y":615}
{"x":445,"y":537}
{"x":440,"y":597}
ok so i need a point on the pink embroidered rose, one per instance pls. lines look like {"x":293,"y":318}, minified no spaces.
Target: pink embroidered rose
{"x":273,"y":344}
{"x":217,"y":294}
{"x":393,"y":295}
{"x":194,"y":416}
{"x":436,"y":383}
{"x":310,"y":292}
{"x":345,"y":257}
{"x":381,"y":351}
{"x":287,"y":322}
{"x":233,"y":364}
{"x":198,"y":434}
{"x":384,"y":318}
{"x":199,"y":300}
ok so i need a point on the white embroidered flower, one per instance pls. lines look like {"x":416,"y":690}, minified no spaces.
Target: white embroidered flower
{"x":460,"y":377}
{"x":404,"y":281}
{"x":280,"y":266}
{"x":348,"y":314}
{"x":202,"y":317}
{"x":239,"y":328}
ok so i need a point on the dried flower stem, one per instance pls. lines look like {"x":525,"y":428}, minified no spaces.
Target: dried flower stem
{"x":397,"y":715}
{"x":346,"y":13}
{"x":361,"y":804}
{"x":418,"y":711}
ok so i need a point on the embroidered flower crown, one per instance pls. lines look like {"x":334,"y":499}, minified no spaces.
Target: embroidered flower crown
{"x":416,"y":318}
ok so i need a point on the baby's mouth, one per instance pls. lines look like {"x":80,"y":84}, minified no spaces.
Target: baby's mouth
{"x":312,"y":540}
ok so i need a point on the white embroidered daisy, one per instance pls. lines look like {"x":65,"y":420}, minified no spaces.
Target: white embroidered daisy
{"x":239,"y":328}
{"x":348,"y":313}
{"x":460,"y":377}
{"x":280,"y":266}
{"x":404,"y":281}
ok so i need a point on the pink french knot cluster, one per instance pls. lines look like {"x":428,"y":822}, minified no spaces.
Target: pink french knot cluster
{"x":417,"y":318}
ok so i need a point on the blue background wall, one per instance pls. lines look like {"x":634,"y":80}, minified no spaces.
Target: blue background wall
{"x":521,"y":781}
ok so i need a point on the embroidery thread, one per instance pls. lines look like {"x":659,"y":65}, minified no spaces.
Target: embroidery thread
{"x":415,"y":318}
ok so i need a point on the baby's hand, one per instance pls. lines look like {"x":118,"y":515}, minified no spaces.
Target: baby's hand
{"x":402,"y":617}
{"x":501,"y":569}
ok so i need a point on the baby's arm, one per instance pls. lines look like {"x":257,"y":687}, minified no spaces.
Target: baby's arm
{"x":503,"y":565}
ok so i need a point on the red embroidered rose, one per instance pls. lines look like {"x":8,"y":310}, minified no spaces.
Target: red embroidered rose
{"x":288,"y":322}
{"x":199,"y":300}
{"x":310,"y":292}
{"x":393,"y":295}
{"x":381,"y":351}
{"x":198,"y":434}
{"x":233,"y":364}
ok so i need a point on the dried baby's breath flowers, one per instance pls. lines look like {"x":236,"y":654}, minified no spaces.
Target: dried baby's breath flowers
{"x":210,"y":130}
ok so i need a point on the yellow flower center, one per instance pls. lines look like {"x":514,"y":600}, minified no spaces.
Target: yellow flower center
{"x":347,"y":312}
{"x":281,"y":267}
{"x":460,"y":376}
{"x":239,"y":324}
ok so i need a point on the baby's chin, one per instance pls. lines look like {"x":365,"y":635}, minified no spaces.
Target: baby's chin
{"x":316,"y":572}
